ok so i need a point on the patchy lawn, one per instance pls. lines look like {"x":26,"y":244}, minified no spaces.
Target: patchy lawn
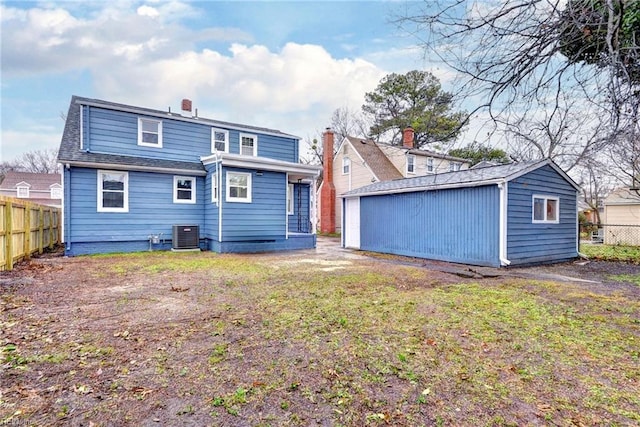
{"x":290,"y":339}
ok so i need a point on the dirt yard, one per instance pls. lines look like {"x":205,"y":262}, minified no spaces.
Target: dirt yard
{"x":326,"y":337}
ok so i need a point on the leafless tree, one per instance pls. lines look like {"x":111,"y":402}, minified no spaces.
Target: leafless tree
{"x":37,"y":161}
{"x":525,"y":58}
{"x":344,"y":122}
{"x":568,"y":133}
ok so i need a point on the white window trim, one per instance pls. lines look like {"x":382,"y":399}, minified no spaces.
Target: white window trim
{"x":455,"y":166}
{"x":255,"y":143}
{"x":346,"y":161}
{"x":175,"y":189}
{"x":546,"y":199}
{"x":290,"y":207}
{"x":238,"y":199}
{"x":430,"y":165}
{"x":213,"y":140}
{"x":56,"y":192}
{"x":125,"y":207}
{"x":146,"y":144}
{"x":214,"y":187}
{"x":22,"y":192}
{"x":411,"y":156}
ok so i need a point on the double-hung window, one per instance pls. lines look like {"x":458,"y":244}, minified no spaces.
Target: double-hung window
{"x":290,"y":210}
{"x":248,"y":145}
{"x":239,"y":187}
{"x":149,"y":132}
{"x":184,"y":189}
{"x":219,"y":140}
{"x":454,"y":166}
{"x":113,"y":191}
{"x":430,"y":164}
{"x":411,"y":163}
{"x":545,"y":209}
{"x":346,"y":165}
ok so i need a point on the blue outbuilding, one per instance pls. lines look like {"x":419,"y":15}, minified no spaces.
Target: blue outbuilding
{"x":514,"y":214}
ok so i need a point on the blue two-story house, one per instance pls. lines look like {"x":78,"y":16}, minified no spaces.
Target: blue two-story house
{"x":142,"y":179}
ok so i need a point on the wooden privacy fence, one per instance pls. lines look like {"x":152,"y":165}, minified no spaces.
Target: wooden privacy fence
{"x":26,"y":228}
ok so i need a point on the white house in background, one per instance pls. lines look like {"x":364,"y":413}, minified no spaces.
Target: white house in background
{"x":359,"y":162}
{"x":41,"y":188}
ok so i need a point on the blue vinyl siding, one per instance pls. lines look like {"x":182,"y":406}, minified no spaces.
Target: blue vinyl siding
{"x":116,"y":132}
{"x":151,"y":208}
{"x":457,"y":225}
{"x":299,"y":221}
{"x":265,"y":217}
{"x":533,"y":243}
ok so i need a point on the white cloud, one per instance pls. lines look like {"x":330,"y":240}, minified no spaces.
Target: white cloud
{"x":14,"y":141}
{"x":38,"y":41}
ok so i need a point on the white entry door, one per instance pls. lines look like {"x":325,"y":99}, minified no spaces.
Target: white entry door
{"x":351,"y":228}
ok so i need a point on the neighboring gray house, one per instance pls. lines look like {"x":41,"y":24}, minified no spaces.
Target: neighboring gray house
{"x":514,"y":214}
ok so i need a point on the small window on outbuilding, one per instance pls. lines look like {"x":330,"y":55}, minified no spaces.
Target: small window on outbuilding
{"x":546,"y":209}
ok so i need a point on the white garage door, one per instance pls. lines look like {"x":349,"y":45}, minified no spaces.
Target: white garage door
{"x":351,"y":228}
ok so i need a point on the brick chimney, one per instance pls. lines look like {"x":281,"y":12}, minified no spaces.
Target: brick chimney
{"x":407,"y":137}
{"x":328,"y":192}
{"x":186,"y":105}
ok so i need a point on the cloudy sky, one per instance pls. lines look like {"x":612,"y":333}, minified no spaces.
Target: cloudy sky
{"x":284,"y":65}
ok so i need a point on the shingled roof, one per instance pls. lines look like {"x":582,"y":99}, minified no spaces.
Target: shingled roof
{"x":36,"y":181}
{"x":463,"y":178}
{"x":375,"y":159}
{"x":623,"y":196}
{"x":70,"y":151}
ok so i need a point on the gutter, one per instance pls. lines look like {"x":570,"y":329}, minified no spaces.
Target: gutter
{"x":124,"y":167}
{"x":502,"y":186}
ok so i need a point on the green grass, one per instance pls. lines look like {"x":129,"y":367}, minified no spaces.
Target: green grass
{"x":612,"y":252}
{"x":271,"y":342}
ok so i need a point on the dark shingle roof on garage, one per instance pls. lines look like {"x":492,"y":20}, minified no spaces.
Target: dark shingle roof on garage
{"x":463,"y":178}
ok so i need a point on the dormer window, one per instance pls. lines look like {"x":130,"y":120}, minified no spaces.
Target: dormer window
{"x":150,"y":133}
{"x":248,"y":145}
{"x":219,"y":141}
{"x":23,"y":191}
{"x":56,"y":191}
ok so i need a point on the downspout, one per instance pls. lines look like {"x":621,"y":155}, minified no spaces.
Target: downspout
{"x":313,"y":208}
{"x":503,"y":224}
{"x":66,"y":206}
{"x":580,"y":254}
{"x":286,"y":208}
{"x":219,"y":178}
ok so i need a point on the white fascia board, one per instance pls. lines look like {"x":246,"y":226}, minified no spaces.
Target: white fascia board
{"x":540,"y":164}
{"x":262,"y":163}
{"x":177,"y":116}
{"x":429,"y":188}
{"x":117,"y":166}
